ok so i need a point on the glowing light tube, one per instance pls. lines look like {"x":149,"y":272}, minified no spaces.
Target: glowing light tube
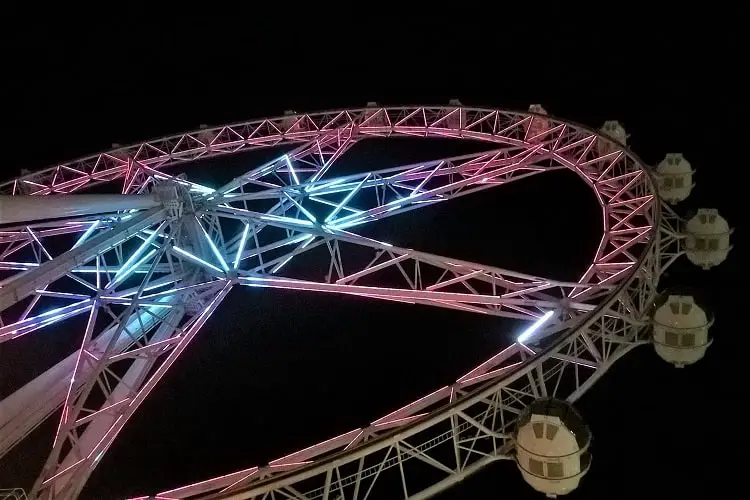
{"x":285,"y":262}
{"x":128,"y":266}
{"x":195,"y":259}
{"x":212,"y":245}
{"x":88,"y":233}
{"x":241,"y":248}
{"x":526,"y":335}
{"x":291,"y":169}
{"x":346,"y":199}
{"x":126,"y":272}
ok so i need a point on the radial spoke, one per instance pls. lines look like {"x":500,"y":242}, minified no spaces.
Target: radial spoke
{"x":421,"y":277}
{"x":355,"y":200}
{"x":25,"y":409}
{"x":362,"y":198}
{"x":90,"y":431}
{"x":26,"y":283}
{"x":516,"y":308}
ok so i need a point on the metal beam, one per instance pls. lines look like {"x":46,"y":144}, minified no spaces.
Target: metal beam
{"x":26,"y":283}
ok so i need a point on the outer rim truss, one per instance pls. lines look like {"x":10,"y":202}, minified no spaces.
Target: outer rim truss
{"x":626,"y":265}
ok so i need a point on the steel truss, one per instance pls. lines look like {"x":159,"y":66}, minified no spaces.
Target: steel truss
{"x":147,"y":280}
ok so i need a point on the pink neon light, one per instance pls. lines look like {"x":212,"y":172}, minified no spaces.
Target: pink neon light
{"x":289,"y":465}
{"x":398,"y":422}
{"x":114,"y":429}
{"x":493,"y":361}
{"x":265,"y":133}
{"x":66,"y":403}
{"x":417,"y":405}
{"x":190,"y":489}
{"x":489,"y":375}
{"x":356,"y":440}
{"x":526,"y":348}
{"x":63,"y":471}
{"x":241,"y":480}
{"x":303,"y":455}
{"x":455,"y":299}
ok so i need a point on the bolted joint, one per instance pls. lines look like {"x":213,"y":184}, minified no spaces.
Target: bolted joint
{"x":173,"y":197}
{"x":566,"y":305}
{"x":193,"y":305}
{"x":166,"y":193}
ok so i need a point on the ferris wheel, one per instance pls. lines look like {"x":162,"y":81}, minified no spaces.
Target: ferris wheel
{"x":145,"y":266}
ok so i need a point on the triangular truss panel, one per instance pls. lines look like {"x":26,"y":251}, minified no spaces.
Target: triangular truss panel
{"x":147,"y":277}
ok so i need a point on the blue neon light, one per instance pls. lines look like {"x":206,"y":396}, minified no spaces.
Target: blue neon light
{"x":291,"y":169}
{"x":125,"y":272}
{"x":279,"y":218}
{"x":198,"y":260}
{"x":302,"y":209}
{"x":215,"y":250}
{"x":88,"y":233}
{"x":346,"y":199}
{"x":309,"y":239}
{"x":126,"y":268}
{"x":241,"y":248}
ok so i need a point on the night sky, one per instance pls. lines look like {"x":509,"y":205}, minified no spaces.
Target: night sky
{"x":273,"y":371}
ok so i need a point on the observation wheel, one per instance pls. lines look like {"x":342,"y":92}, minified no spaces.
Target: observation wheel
{"x":145,"y":266}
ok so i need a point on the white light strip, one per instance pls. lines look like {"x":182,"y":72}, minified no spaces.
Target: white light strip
{"x":124,"y":273}
{"x":303,"y":209}
{"x":346,"y":199}
{"x":533,"y":328}
{"x":86,"y":234}
{"x":286,"y":261}
{"x":215,"y":250}
{"x":128,"y":266}
{"x":291,"y":169}
{"x":241,"y":248}
{"x":195,"y":259}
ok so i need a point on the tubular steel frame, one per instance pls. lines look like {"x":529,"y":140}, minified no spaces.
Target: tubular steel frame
{"x":148,"y":280}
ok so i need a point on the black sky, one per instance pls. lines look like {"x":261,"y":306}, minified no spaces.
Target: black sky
{"x":250,"y":387}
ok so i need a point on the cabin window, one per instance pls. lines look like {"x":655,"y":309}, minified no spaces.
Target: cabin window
{"x":552,"y":431}
{"x":671,"y":338}
{"x":538,"y":429}
{"x":713,"y":244}
{"x":554,"y":469}
{"x":536,"y":467}
{"x":688,"y":340}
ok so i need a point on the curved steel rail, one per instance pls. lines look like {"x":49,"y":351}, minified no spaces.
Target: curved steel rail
{"x":603,"y":314}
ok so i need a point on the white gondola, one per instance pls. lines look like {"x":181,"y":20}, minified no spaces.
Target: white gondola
{"x":552,"y":446}
{"x":614,"y":131}
{"x":707,"y":238}
{"x":680,"y":330}
{"x":675,"y":177}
